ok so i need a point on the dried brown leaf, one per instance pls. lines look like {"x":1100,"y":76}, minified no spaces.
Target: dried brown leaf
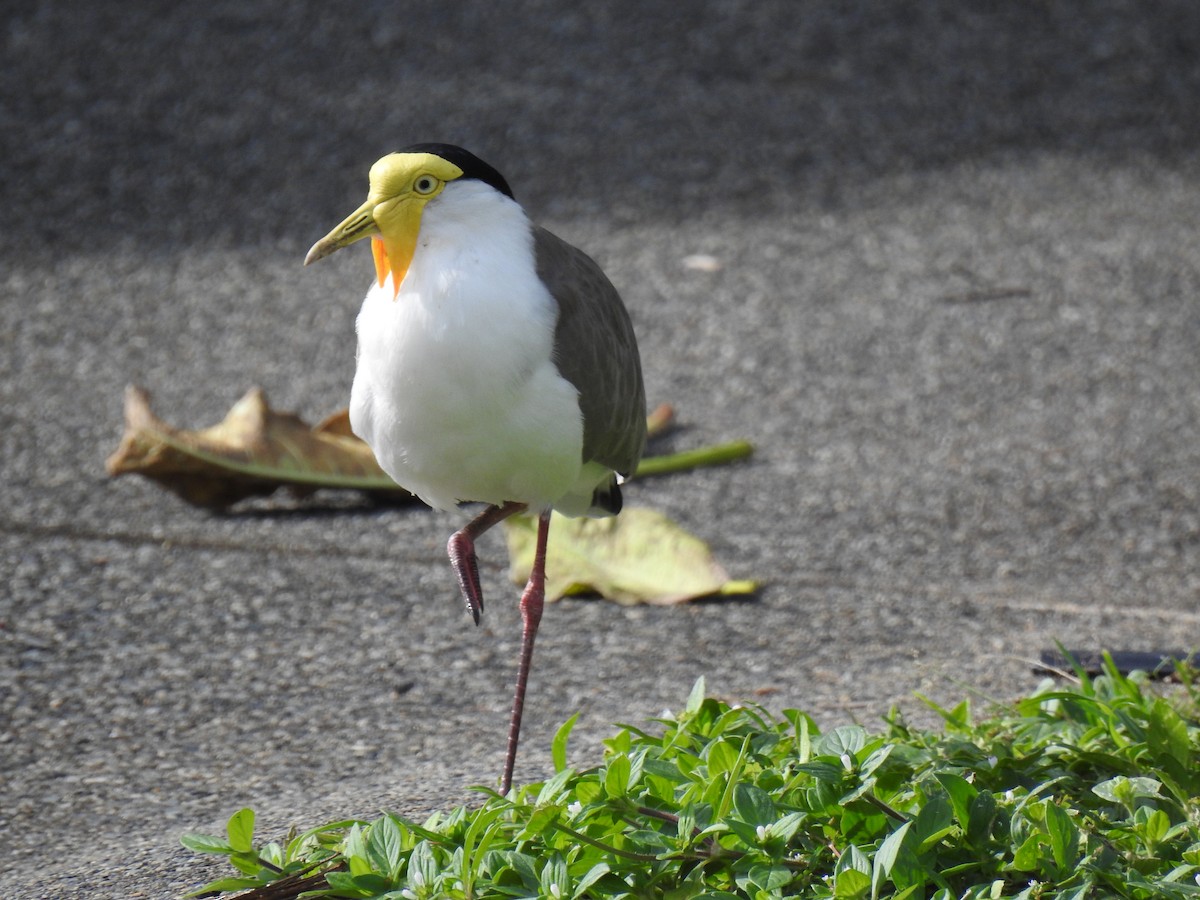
{"x":254,"y":451}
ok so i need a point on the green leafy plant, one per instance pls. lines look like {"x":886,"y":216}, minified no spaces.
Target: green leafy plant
{"x":1075,"y":792}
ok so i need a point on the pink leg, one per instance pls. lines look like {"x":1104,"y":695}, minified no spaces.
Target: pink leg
{"x":461,"y":548}
{"x":532,"y":601}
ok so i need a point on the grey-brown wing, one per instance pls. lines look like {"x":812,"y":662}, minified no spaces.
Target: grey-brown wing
{"x":595,"y":349}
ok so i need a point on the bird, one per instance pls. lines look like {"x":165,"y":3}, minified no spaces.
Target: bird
{"x":496,"y":364}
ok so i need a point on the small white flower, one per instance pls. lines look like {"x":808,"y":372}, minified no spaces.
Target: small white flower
{"x":574,"y":808}
{"x":555,"y":891}
{"x":763,"y":833}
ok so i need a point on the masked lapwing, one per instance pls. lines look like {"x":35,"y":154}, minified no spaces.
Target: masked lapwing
{"x":496,"y":363}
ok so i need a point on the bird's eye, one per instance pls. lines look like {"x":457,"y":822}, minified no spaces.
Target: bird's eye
{"x":425,"y":184}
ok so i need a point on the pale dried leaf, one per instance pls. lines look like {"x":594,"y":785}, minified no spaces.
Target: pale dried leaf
{"x":640,"y":556}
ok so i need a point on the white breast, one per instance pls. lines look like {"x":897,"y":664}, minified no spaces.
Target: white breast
{"x":455,"y":390}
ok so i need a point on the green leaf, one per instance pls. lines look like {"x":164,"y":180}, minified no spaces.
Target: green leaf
{"x":877,"y":758}
{"x":206,"y":843}
{"x":769,"y":879}
{"x":753,"y":805}
{"x":541,"y":819}
{"x":853,"y":859}
{"x":553,"y":790}
{"x":272,"y":853}
{"x":555,"y":881}
{"x":959,"y":718}
{"x":747,"y":833}
{"x":355,"y":851}
{"x":735,"y":772}
{"x":851,"y":884}
{"x":1125,"y":790}
{"x":384,"y":846}
{"x":722,"y":756}
{"x":981,"y":816}
{"x":344,"y":882}
{"x":423,"y":866}
{"x":558,"y":747}
{"x":859,"y":822}
{"x":1168,"y":735}
{"x":885,"y":857}
{"x":223,"y":885}
{"x":1154,"y":826}
{"x":696,"y":697}
{"x":823,"y":772}
{"x":246,"y":862}
{"x":908,"y":873}
{"x":640,"y":556}
{"x":616,"y":776}
{"x":1064,"y":836}
{"x":313,"y":837}
{"x":372,"y":884}
{"x":240,"y":829}
{"x":804,"y":728}
{"x":933,"y":822}
{"x":844,"y":741}
{"x":588,"y":791}
{"x":594,"y":874}
{"x":522,"y":864}
{"x":961,"y":793}
{"x":480,"y":835}
{"x":1028,"y":855}
{"x":787,"y":826}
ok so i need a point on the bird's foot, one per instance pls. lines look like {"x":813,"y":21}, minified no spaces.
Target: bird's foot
{"x":462,"y":553}
{"x":461,"y":549}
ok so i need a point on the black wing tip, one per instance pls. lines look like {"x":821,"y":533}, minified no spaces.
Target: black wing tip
{"x":607,"y":497}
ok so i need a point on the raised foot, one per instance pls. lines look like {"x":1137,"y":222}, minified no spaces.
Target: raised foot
{"x":461,"y":549}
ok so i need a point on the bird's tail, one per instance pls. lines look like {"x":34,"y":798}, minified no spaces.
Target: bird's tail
{"x":606,"y":499}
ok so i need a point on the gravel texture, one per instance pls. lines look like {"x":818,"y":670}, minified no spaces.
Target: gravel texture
{"x":955,"y":309}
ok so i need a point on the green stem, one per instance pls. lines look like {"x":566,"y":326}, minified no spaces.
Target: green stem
{"x":887,"y":810}
{"x":717,"y":455}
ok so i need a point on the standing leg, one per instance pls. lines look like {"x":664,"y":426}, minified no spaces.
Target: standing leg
{"x":461,"y":548}
{"x":532,"y":601}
